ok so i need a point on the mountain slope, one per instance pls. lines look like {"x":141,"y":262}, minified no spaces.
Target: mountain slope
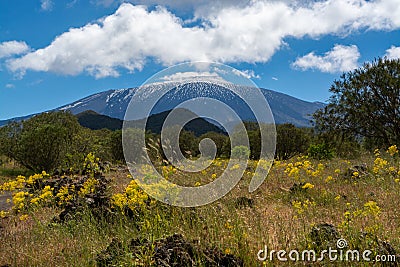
{"x":113,"y":103}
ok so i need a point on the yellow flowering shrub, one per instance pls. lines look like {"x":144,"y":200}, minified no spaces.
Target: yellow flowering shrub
{"x":91,"y":164}
{"x":18,"y":183}
{"x":21,"y":181}
{"x":65,"y":195}
{"x":45,"y":197}
{"x":88,"y":187}
{"x":379,"y":164}
{"x":133,"y":198}
{"x":388,"y":165}
{"x":20,"y":200}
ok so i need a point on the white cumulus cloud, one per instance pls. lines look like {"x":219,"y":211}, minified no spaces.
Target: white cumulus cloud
{"x":246,"y":73}
{"x":46,"y":5}
{"x":183,"y":76}
{"x":393,"y":52}
{"x":11,"y":48}
{"x":249,"y":33}
{"x":339,"y":59}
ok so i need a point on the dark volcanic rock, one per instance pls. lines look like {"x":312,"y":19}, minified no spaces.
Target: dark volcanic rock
{"x":171,"y":251}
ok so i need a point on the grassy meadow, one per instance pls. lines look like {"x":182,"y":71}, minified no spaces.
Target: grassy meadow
{"x":303,"y":204}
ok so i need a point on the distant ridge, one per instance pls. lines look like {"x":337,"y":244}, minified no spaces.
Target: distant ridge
{"x":92,"y":120}
{"x":95,"y":121}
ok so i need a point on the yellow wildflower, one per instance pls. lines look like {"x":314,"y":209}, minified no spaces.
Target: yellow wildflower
{"x":228,"y":225}
{"x":393,"y":150}
{"x":308,"y":186}
{"x":372,"y":208}
{"x":320,"y":167}
{"x":35,"y":201}
{"x":88,"y":187}
{"x":235,"y":167}
{"x":315,"y":174}
{"x":328,"y":179}
{"x":19,"y":200}
{"x":23,"y":217}
{"x":298,"y":206}
{"x":294,"y":172}
{"x":307,"y":164}
{"x":63,"y":194}
{"x":379,"y":164}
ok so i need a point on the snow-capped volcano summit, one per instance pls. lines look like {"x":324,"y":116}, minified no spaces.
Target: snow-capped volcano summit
{"x":113,"y":103}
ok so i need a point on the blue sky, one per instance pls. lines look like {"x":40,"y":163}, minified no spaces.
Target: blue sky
{"x":55,"y":52}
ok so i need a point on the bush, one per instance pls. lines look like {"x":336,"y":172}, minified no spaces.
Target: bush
{"x":42,"y":142}
{"x":240,"y":152}
{"x":320,"y":151}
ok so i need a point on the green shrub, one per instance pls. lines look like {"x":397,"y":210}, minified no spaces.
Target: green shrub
{"x":240,"y":152}
{"x":42,"y":142}
{"x":320,"y":151}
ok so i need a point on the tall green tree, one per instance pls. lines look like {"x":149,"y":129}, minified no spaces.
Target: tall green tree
{"x":291,"y":140}
{"x":365,"y":104}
